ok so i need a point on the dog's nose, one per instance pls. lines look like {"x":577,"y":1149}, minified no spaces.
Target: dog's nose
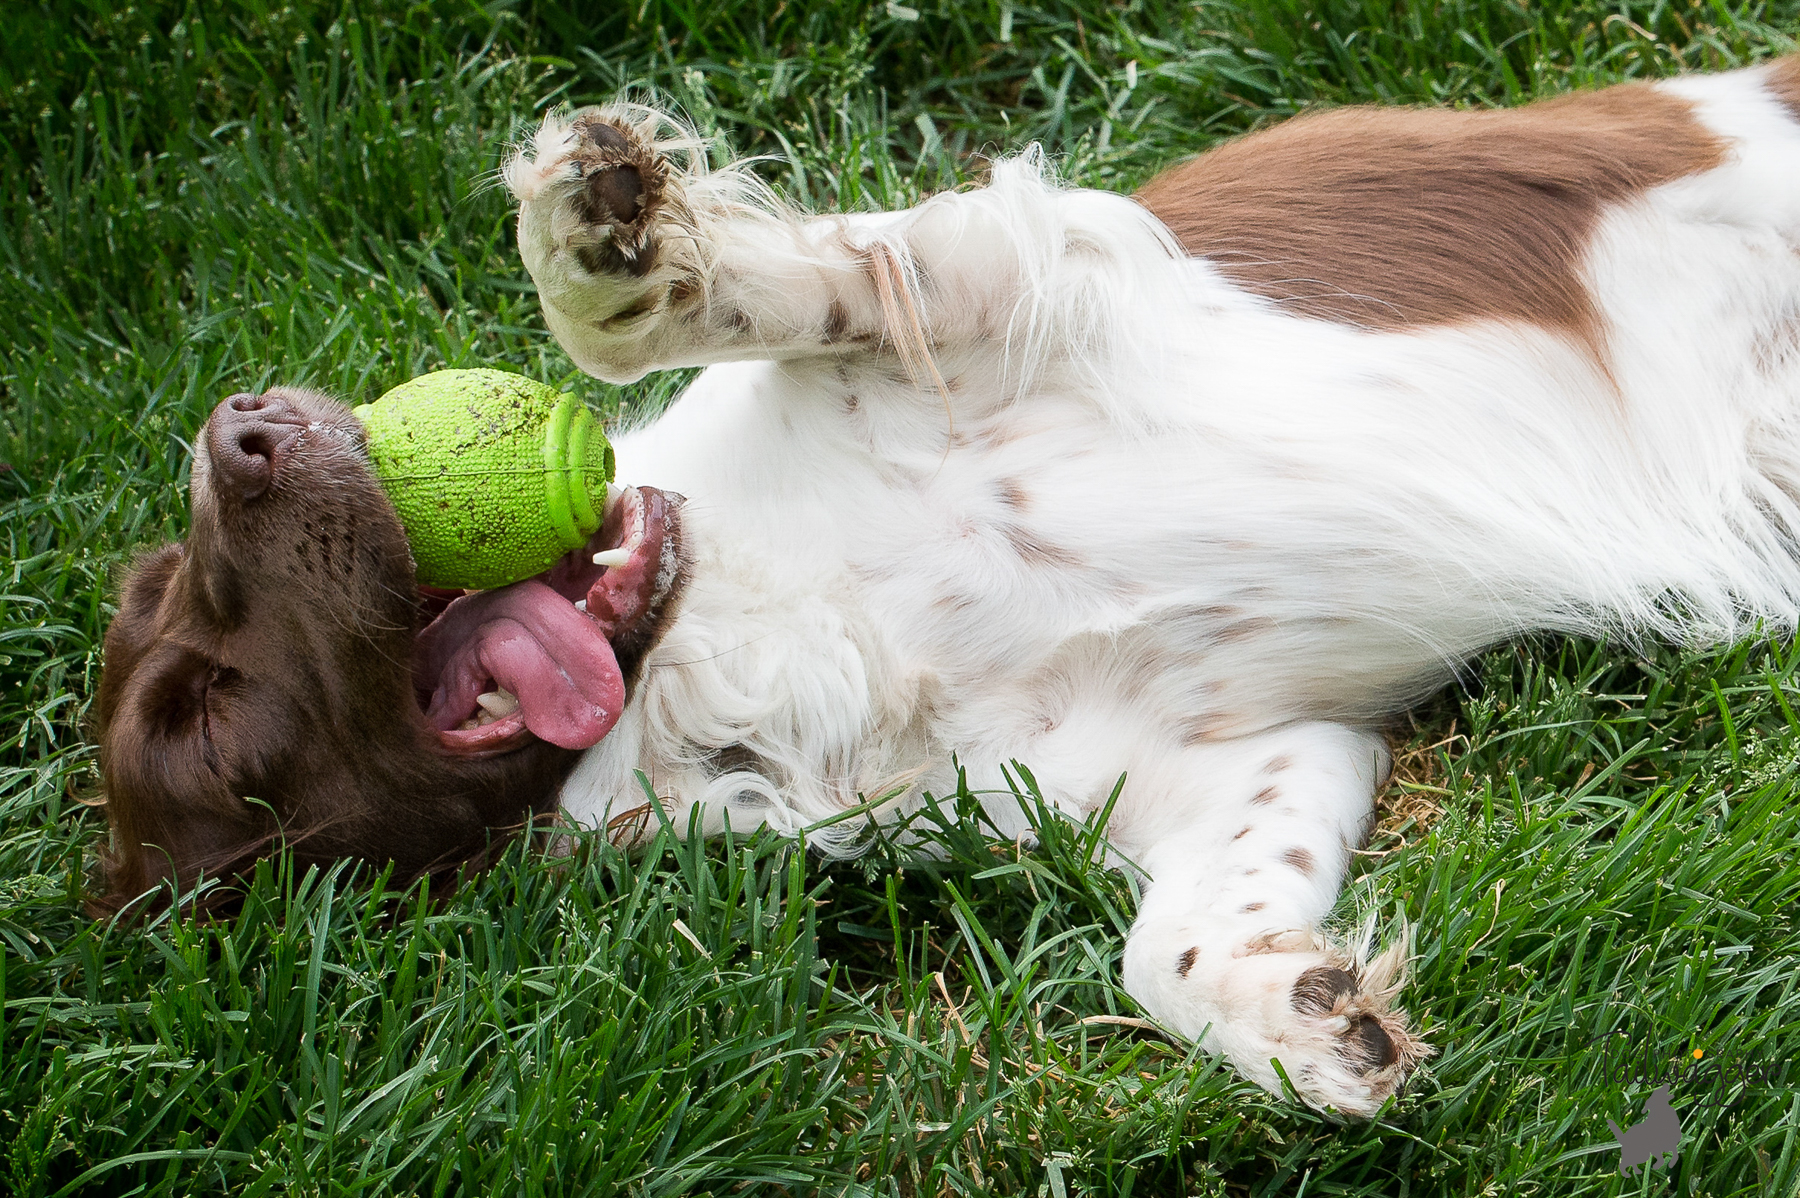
{"x":244,"y":440}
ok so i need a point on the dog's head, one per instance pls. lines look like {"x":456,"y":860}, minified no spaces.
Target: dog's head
{"x":280,"y":677}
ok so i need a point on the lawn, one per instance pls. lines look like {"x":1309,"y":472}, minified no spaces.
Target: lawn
{"x":1593,"y":844}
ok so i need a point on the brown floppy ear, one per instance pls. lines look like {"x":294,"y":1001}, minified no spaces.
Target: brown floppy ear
{"x":171,"y":814}
{"x":144,"y":878}
{"x":153,"y":858}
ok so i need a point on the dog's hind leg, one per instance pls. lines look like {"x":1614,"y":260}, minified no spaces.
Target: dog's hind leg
{"x":1227,"y":948}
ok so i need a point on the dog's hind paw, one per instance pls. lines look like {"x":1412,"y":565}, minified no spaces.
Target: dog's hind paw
{"x":1347,"y":1046}
{"x":1327,"y":1017}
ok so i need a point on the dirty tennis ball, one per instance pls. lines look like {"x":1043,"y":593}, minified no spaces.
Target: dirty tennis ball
{"x":494,"y":476}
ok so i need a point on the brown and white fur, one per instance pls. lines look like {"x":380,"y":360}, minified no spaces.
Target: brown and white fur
{"x":1195,"y":488}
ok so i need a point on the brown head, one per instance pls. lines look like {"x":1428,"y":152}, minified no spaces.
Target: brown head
{"x":259,"y":683}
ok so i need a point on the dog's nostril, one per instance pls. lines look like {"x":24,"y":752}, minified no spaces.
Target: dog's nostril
{"x":248,"y":403}
{"x":242,"y":447}
{"x":256,"y":443}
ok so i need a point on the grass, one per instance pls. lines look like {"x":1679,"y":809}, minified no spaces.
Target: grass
{"x":1594,"y":845}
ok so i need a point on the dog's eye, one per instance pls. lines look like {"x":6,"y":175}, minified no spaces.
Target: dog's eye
{"x":219,"y":682}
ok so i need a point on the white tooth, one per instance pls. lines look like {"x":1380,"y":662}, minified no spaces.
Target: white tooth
{"x":612,"y":557}
{"x":468,"y":725}
{"x":613,"y":491}
{"x":498,"y":703}
{"x":581,"y":606}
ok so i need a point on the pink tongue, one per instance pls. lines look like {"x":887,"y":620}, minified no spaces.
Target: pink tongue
{"x":530,"y":641}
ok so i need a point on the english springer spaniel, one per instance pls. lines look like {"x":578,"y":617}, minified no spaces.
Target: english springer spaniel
{"x":1194,"y":486}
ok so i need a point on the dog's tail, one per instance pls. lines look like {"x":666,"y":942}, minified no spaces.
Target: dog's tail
{"x":1617,"y":1131}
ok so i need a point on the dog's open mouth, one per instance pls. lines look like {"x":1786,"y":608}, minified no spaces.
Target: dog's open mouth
{"x":547,"y":657}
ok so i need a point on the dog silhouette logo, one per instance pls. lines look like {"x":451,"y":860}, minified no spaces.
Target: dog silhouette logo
{"x":1654,"y":1142}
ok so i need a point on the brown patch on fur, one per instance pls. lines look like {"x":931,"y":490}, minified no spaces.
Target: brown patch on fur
{"x":1368,"y":1047}
{"x":1301,"y":860}
{"x":1277,"y":764}
{"x":837,"y":321}
{"x":1392,"y":218}
{"x":1036,"y":551}
{"x":998,"y":431}
{"x":1012,"y":493}
{"x":1203,"y":729}
{"x":1784,"y":82}
{"x":1244,"y":629}
{"x":1211,"y":613}
{"x":1185,"y":962}
{"x":1266,"y":795}
{"x":1247,"y":829}
{"x":1251,"y":908}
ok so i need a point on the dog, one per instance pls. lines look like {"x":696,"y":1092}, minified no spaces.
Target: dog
{"x":1194,"y":487}
{"x":1654,"y":1143}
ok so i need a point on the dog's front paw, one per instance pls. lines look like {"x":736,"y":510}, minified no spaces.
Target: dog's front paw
{"x":605,"y":230}
{"x":624,"y":183}
{"x":1328,"y":1019}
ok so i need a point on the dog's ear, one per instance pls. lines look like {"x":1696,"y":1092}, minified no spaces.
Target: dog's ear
{"x":144,"y":868}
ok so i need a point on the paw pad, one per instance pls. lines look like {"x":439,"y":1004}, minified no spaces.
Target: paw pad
{"x":623,"y":179}
{"x":1319,"y":990}
{"x":1368,"y":1046}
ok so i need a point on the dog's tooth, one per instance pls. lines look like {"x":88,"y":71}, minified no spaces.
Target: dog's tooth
{"x":581,"y":606}
{"x":498,"y":703}
{"x":612,"y":557}
{"x":468,"y":725}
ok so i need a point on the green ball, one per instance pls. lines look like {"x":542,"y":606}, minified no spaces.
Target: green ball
{"x":494,"y":475}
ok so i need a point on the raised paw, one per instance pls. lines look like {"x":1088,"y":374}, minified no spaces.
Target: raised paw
{"x":623,"y":184}
{"x":607,"y":231}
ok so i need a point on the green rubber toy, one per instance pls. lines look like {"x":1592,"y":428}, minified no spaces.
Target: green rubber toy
{"x":495,"y":476}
